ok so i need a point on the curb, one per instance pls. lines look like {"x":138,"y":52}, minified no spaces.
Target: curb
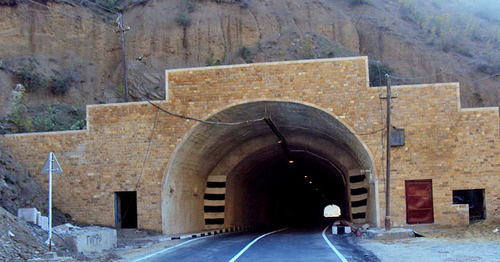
{"x":211,"y":232}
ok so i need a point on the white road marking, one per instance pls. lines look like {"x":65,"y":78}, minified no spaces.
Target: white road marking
{"x":253,"y":242}
{"x":331,"y":245}
{"x":165,"y":250}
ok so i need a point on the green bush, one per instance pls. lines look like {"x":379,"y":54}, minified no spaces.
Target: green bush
{"x":308,"y":50}
{"x":211,"y":61}
{"x":183,"y":20}
{"x":58,"y":85}
{"x":120,"y":92}
{"x":78,"y":125}
{"x":30,"y":77}
{"x":377,"y":72}
{"x":19,"y":111}
{"x":410,"y":12}
{"x":46,"y":121}
{"x":244,"y":52}
{"x":244,"y":4}
{"x":190,"y":6}
{"x":9,"y":2}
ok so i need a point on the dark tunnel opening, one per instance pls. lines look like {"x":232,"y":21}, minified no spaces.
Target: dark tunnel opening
{"x":288,"y":192}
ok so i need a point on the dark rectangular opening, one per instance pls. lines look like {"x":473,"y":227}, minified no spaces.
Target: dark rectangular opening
{"x":356,"y":179}
{"x":359,"y":191}
{"x":358,"y":215}
{"x":216,"y":184}
{"x":475,"y":199}
{"x":215,"y":196}
{"x":217,"y":209}
{"x":214,"y":221}
{"x":359,"y":203}
{"x":126,"y":209}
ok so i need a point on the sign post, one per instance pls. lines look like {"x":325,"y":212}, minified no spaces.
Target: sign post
{"x":51,"y":166}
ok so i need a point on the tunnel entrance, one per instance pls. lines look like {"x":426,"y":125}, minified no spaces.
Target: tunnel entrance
{"x":250,"y":174}
{"x":282,"y":191}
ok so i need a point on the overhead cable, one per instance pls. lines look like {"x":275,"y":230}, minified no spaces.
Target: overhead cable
{"x":206,"y":121}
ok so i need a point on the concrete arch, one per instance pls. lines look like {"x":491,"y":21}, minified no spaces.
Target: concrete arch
{"x":212,"y":157}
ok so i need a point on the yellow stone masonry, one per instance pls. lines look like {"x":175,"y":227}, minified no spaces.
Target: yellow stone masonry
{"x":456,"y":148}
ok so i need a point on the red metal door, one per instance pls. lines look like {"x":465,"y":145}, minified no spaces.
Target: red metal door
{"x":419,"y":207}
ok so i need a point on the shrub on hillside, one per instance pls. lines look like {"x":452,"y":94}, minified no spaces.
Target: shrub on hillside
{"x":58,"y":84}
{"x":9,"y":2}
{"x":183,"y":20}
{"x":211,"y":61}
{"x":377,"y":72}
{"x":19,"y":111}
{"x":244,"y":52}
{"x":30,"y":77}
{"x":308,"y":49}
{"x":190,"y":6}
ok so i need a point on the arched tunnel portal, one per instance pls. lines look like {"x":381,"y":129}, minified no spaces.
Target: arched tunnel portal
{"x":281,"y":171}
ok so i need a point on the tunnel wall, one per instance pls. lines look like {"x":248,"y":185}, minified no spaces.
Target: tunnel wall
{"x":456,"y":148}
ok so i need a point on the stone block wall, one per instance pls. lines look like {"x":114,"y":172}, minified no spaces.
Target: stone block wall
{"x":128,"y":146}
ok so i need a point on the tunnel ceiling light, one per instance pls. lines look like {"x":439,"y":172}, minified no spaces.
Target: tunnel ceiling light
{"x":290,"y":161}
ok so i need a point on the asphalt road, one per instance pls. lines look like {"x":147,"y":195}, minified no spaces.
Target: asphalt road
{"x":297,"y":244}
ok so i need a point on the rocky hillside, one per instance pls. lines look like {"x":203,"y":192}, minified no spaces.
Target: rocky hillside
{"x":68,"y":54}
{"x":21,"y":240}
{"x":19,"y":190}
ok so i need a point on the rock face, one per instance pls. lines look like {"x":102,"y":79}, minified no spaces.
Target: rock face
{"x":64,"y":38}
{"x":168,"y":34}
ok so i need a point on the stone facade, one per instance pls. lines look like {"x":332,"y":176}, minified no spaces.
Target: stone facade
{"x":129,"y":146}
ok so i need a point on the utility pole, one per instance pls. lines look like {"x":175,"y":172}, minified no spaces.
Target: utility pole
{"x":388,"y":159}
{"x":122,"y":29}
{"x":388,"y":97}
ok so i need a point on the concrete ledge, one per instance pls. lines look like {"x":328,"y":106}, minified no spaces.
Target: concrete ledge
{"x":395,"y":233}
{"x":211,"y":232}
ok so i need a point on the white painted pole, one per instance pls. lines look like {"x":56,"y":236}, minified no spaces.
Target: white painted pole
{"x":51,"y":158}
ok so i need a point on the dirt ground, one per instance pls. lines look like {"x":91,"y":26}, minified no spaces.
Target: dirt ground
{"x":476,"y":242}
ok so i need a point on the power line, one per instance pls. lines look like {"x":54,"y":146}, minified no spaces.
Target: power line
{"x":205,"y":121}
{"x":148,"y":149}
{"x":490,"y":76}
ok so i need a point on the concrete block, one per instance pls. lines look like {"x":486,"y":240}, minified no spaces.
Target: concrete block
{"x":339,"y":230}
{"x":394,"y":233}
{"x":88,"y":239}
{"x":43,"y":222}
{"x":27,"y":214}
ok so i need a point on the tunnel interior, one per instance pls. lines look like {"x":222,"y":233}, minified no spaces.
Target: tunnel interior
{"x":280,"y":172}
{"x":286,"y":191}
